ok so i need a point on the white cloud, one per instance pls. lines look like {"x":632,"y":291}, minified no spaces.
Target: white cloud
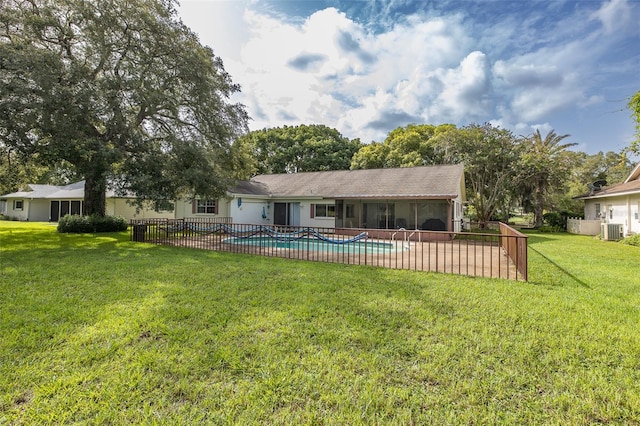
{"x":614,"y":15}
{"x":327,"y":68}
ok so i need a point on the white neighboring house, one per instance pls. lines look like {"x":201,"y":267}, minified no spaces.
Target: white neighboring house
{"x":48,"y":203}
{"x":616,"y":204}
{"x":429,"y":197}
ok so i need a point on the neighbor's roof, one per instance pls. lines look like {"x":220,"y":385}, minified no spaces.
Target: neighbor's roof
{"x":72,"y":191}
{"x":445,"y":181}
{"x":36,"y":191}
{"x":630,"y":186}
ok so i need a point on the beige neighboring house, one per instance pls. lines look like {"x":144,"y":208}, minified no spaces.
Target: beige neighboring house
{"x":48,"y":203}
{"x":617,"y":206}
{"x":429,"y":197}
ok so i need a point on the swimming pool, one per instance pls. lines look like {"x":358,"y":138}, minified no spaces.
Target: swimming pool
{"x":313,"y":244}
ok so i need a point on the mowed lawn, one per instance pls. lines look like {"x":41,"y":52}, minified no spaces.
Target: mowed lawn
{"x":95,"y":329}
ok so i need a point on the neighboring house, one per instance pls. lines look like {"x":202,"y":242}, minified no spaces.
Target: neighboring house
{"x":48,"y":203}
{"x":616,"y":204}
{"x":428,"y":197}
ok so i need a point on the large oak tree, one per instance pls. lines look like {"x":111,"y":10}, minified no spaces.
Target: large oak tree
{"x":123,"y":92}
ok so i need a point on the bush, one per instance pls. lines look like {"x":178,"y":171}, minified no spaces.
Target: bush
{"x":633,"y":240}
{"x":558,"y":220}
{"x":76,"y":224}
{"x":549,"y":228}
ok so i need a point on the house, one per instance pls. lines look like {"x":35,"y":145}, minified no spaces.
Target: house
{"x":616,"y":205}
{"x":429,"y":197}
{"x":48,"y":203}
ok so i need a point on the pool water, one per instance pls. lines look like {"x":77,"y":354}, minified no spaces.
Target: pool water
{"x":312,"y":244}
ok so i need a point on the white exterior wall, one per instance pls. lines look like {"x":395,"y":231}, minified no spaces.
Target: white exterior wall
{"x":250,"y":211}
{"x":32,"y":210}
{"x":623,"y":210}
{"x":19,"y":214}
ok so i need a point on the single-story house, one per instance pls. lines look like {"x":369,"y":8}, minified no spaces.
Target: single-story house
{"x":616,"y":204}
{"x":428,"y":198}
{"x":48,"y":203}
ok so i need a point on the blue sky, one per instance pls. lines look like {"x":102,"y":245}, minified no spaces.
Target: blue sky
{"x":367,"y":67}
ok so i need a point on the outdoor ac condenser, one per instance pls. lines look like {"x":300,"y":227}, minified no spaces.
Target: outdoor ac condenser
{"x":611,"y":231}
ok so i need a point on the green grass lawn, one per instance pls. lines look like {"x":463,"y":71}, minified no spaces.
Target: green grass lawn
{"x":98,"y":330}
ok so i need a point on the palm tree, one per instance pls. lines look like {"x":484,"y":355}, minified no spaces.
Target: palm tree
{"x":545,"y":168}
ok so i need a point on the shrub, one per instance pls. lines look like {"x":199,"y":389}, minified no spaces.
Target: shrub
{"x":89,"y":224}
{"x":633,"y":240}
{"x":558,"y":220}
{"x":549,"y":228}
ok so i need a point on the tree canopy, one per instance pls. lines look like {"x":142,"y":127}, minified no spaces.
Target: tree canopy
{"x":544,"y":166}
{"x":634,"y":106}
{"x":121,"y":91}
{"x":489,"y":154}
{"x":304,"y":148}
{"x":410,"y":146}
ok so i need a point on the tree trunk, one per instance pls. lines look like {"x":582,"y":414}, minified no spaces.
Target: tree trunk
{"x":95,"y":188}
{"x":538,"y":208}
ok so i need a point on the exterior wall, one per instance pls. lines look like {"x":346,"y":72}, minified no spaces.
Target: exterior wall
{"x":127,"y":209}
{"x":184,"y":209}
{"x":250,"y":210}
{"x":623,"y":210}
{"x":32,"y":210}
{"x":19,"y":214}
{"x":261,"y":211}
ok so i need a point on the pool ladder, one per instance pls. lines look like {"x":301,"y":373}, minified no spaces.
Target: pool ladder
{"x":405,"y":239}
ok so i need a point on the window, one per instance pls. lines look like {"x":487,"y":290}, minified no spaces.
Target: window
{"x":598,"y":212}
{"x":206,"y":206}
{"x":325,"y":210}
{"x":18,"y":204}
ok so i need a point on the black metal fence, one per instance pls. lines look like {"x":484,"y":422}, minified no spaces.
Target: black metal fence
{"x":499,"y":255}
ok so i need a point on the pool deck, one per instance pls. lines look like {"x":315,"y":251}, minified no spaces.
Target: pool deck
{"x":462,"y":257}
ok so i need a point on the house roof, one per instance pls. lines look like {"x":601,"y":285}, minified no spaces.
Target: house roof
{"x":72,"y":191}
{"x":36,"y":191}
{"x":631,"y":185}
{"x":444,"y":181}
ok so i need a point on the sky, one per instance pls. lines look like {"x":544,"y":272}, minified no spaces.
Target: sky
{"x":368,"y":67}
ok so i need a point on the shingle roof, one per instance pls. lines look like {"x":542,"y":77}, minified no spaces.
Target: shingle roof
{"x":36,"y":191}
{"x":631,"y":185}
{"x":444,"y":181}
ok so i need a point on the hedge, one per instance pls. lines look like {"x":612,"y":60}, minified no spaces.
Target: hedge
{"x":75,"y":224}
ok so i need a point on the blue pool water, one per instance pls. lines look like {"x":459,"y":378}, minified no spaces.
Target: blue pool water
{"x":313,"y":244}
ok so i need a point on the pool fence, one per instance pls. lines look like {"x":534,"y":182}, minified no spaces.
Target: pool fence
{"x":498,"y":254}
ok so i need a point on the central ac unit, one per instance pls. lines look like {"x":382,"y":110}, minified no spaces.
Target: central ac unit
{"x":611,"y":231}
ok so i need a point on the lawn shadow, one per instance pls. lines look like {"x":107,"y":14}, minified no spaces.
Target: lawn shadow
{"x":561,"y":269}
